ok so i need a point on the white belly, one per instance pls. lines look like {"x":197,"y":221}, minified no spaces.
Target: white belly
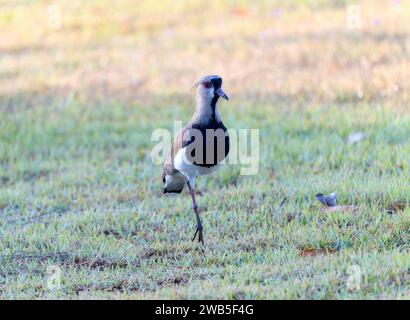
{"x":189,"y":169}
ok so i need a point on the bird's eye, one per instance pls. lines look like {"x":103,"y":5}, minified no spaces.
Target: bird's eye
{"x":207,"y":85}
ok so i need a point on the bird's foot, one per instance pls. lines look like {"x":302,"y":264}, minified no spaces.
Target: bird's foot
{"x":200,"y":235}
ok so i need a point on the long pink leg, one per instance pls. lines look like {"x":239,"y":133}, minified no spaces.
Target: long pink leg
{"x":198,"y":219}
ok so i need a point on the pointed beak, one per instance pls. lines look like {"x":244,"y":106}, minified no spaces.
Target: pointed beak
{"x":222,"y":94}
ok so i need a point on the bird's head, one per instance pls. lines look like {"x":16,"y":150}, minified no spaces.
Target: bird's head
{"x":209,"y":90}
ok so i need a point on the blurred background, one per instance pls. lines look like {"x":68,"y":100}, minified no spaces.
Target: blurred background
{"x":138,"y":51}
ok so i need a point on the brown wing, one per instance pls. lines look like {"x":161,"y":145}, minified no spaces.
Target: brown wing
{"x":169,"y":168}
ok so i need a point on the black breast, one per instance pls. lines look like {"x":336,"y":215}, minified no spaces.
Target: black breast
{"x":207,"y":144}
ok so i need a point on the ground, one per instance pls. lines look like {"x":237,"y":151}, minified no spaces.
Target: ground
{"x":82,"y":213}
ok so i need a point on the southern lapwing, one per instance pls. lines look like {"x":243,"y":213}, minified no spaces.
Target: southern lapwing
{"x":200,"y":147}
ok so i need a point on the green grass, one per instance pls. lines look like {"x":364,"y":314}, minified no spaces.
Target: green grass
{"x":79,"y":191}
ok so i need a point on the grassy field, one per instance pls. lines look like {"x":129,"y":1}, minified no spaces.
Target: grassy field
{"x":81,"y":200}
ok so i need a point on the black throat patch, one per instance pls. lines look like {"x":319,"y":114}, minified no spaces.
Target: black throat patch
{"x":217,"y":83}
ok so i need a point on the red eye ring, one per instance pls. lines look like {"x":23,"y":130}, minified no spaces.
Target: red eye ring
{"x":207,"y":85}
